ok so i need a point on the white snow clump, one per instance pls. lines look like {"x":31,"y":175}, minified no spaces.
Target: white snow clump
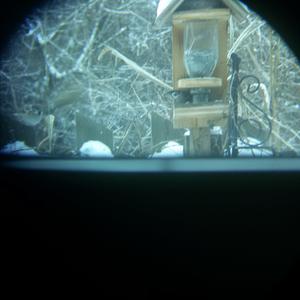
{"x":95,"y":149}
{"x":171,"y":149}
{"x":254,"y":152}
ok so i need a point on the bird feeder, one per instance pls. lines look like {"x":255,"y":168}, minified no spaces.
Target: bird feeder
{"x":200,"y":66}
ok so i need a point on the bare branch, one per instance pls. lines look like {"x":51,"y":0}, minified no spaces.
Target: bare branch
{"x":138,"y":69}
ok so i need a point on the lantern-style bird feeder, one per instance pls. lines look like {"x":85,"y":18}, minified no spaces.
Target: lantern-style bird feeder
{"x":200,"y":66}
{"x":200,"y":71}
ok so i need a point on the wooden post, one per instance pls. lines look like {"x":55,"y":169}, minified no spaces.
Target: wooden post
{"x":198,"y":119}
{"x":200,"y":142}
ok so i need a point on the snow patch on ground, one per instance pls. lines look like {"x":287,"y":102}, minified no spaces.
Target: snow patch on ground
{"x":252,"y":152}
{"x":18,"y":148}
{"x":95,"y":149}
{"x":171,"y":149}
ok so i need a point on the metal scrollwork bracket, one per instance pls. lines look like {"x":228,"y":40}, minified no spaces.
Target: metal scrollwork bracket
{"x":240,"y":90}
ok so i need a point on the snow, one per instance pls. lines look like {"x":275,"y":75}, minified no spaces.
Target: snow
{"x":95,"y":149}
{"x":248,"y":140}
{"x":165,"y":9}
{"x":163,"y":4}
{"x":171,"y":149}
{"x":254,"y":152}
{"x":216,"y":130}
{"x":18,"y":148}
{"x":187,"y":132}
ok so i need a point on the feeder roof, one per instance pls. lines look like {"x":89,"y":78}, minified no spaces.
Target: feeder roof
{"x":166,"y":8}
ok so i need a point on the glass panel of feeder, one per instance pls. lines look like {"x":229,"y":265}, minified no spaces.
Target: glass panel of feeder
{"x":201,"y":48}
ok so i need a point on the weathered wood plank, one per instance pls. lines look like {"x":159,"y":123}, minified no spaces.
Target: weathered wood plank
{"x":200,"y":142}
{"x":199,"y":117}
{"x":201,"y":14}
{"x":179,"y":71}
{"x":206,"y":82}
